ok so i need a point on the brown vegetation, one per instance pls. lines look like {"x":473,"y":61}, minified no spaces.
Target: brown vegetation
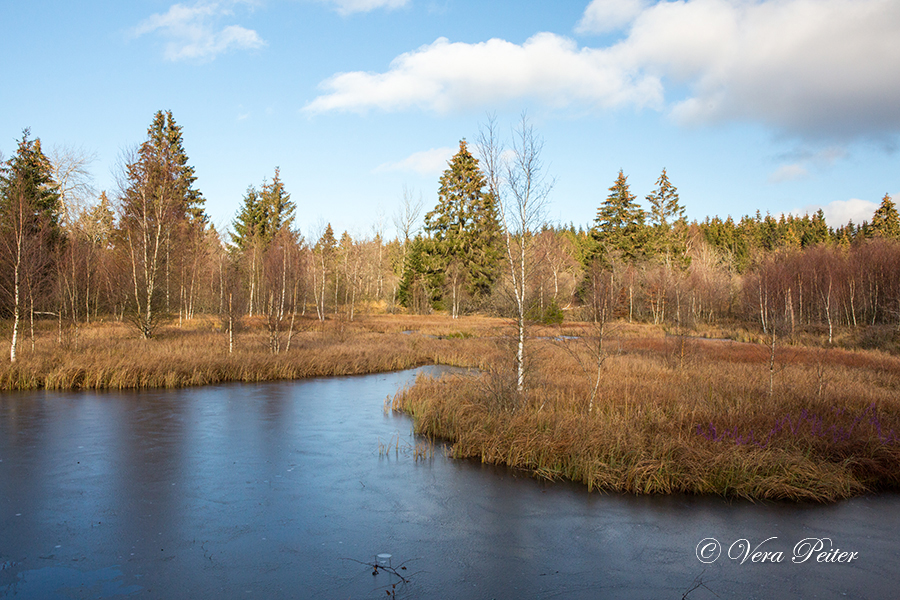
{"x":110,"y":355}
{"x":682,"y":415}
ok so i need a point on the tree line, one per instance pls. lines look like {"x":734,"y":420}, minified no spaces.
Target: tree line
{"x":147,"y":253}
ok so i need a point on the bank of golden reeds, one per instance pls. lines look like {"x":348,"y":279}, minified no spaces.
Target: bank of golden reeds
{"x":112,"y":355}
{"x":674,"y":416}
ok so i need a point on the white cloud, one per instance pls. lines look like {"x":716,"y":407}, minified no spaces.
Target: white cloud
{"x":192,"y":33}
{"x":837,"y":213}
{"x":427,"y":162}
{"x":602,"y":16}
{"x":789,"y":172}
{"x":816,"y":69}
{"x":445,"y":77}
{"x":347,"y":7}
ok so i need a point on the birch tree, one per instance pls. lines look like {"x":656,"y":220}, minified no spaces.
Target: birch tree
{"x":156,"y":196}
{"x":518,"y":180}
{"x":29,"y":225}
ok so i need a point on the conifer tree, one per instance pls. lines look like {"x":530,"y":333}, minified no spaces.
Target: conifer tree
{"x":464,"y":226}
{"x":667,"y":220}
{"x":29,"y":223}
{"x":619,"y":225}
{"x":158,"y":204}
{"x":263,"y":213}
{"x":885,"y":221}
{"x":249,"y":221}
{"x":665,"y":206}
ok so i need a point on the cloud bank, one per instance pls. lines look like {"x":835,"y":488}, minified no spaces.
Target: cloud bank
{"x":813,"y":69}
{"x":192,"y":33}
{"x":444,"y":77}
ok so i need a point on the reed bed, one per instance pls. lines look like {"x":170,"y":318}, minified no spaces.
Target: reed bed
{"x":112,"y":356}
{"x":676,"y":416}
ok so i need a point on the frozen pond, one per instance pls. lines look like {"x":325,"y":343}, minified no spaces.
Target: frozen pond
{"x":286,"y":489}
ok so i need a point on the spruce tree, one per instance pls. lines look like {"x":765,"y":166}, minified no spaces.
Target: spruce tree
{"x":464,"y":226}
{"x":619,"y":225}
{"x":165,"y":146}
{"x":249,"y":221}
{"x":885,"y":221}
{"x":159,"y":213}
{"x":263,"y":213}
{"x":30,"y":173}
{"x":668,"y":222}
{"x":665,"y":206}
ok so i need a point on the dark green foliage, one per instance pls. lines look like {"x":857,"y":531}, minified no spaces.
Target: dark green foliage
{"x":263,"y":213}
{"x":29,"y":174}
{"x":159,"y":211}
{"x":619,"y":226}
{"x":30,"y":232}
{"x":464,"y":227}
{"x":165,"y":146}
{"x":668,"y":225}
{"x":416,"y":290}
{"x":757,"y":234}
{"x":549,"y":314}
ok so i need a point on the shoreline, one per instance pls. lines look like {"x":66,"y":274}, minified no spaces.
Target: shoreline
{"x":671,"y":414}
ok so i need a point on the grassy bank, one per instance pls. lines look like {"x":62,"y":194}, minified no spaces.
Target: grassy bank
{"x":111,"y":355}
{"x":675,"y":415}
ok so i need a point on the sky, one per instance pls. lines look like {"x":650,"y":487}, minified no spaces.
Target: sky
{"x":781,"y":106}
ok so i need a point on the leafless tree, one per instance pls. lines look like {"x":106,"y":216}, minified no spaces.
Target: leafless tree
{"x":521,"y":185}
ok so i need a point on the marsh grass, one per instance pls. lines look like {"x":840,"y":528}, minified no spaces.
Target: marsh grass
{"x":111,"y":356}
{"x":703,"y":424}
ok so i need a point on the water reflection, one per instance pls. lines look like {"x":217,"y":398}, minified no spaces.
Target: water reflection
{"x":284,"y":490}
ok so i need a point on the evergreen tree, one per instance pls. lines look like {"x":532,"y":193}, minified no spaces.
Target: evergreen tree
{"x":816,"y":232}
{"x":249,"y":221}
{"x":278,"y":204}
{"x":166,"y":146}
{"x":464,"y":226}
{"x":263,"y":213}
{"x":619,"y":225}
{"x":159,"y":210}
{"x":29,"y":225}
{"x":30,"y":173}
{"x":413,"y":272}
{"x":885,"y":221}
{"x":667,"y":219}
{"x":665,"y":206}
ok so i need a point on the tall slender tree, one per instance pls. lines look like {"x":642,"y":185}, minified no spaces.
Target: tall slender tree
{"x":667,"y":222}
{"x":29,"y":224}
{"x":156,"y":197}
{"x":527,"y":190}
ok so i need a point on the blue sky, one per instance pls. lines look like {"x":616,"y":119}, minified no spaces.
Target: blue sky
{"x":781,"y":106}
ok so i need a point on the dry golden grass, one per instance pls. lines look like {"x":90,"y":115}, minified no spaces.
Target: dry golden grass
{"x":111,"y":355}
{"x":676,"y":415}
